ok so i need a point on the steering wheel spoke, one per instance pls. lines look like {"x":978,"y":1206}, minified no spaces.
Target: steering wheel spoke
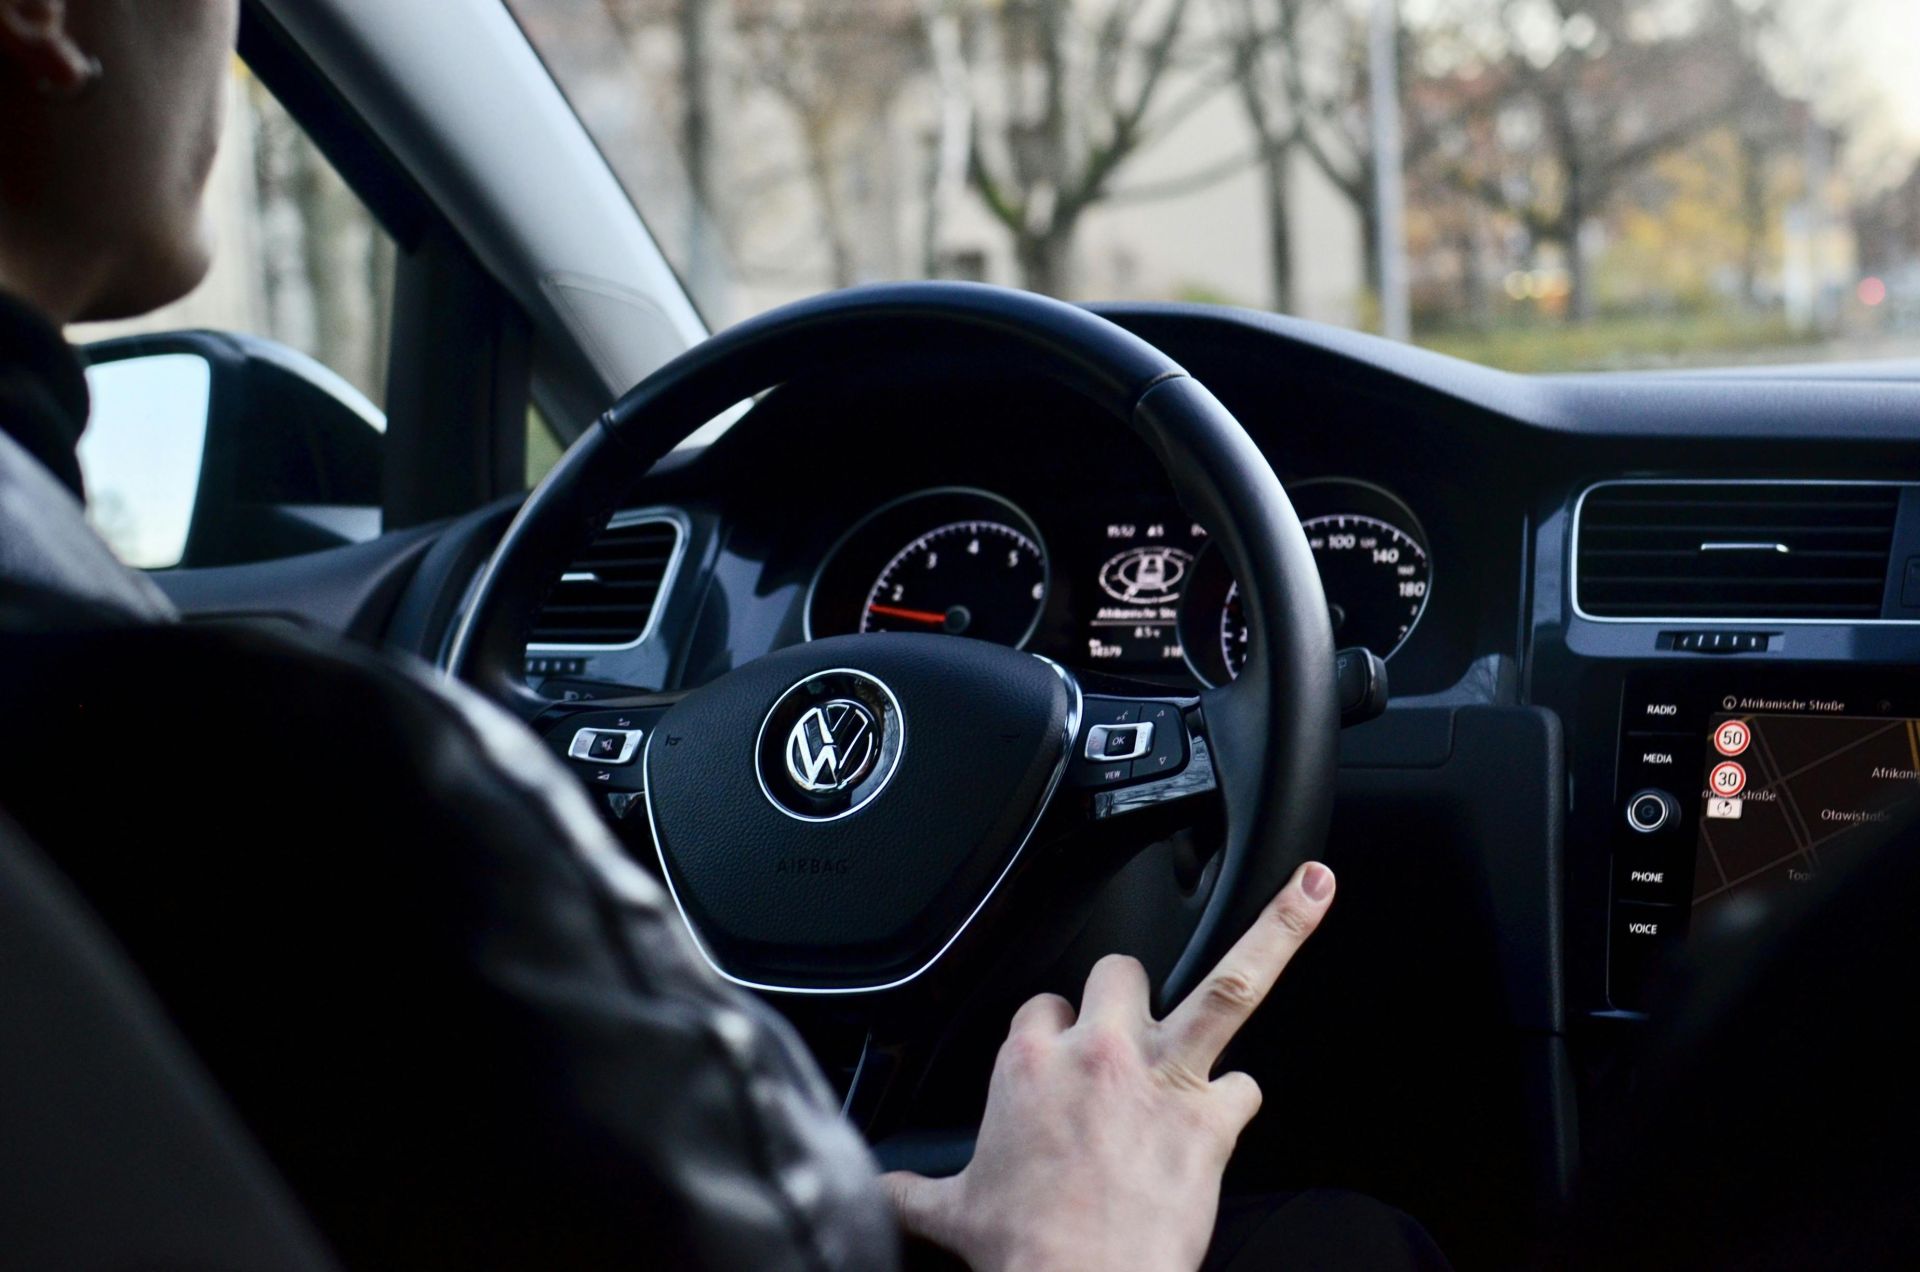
{"x":1137,"y":748}
{"x":1196,"y":777}
{"x":603,"y":739}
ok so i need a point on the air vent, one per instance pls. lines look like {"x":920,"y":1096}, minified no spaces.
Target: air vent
{"x":1764,"y":551}
{"x":606,"y":597}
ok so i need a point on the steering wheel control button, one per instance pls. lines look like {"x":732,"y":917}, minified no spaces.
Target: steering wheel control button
{"x":1095,"y":773}
{"x":829,"y":745}
{"x":1651,"y":811}
{"x":1111,"y":743}
{"x":1112,"y":710}
{"x":1129,"y":740}
{"x":1169,"y":752}
{"x":606,"y":746}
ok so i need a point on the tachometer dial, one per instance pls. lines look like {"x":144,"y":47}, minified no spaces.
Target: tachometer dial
{"x":1234,"y":633}
{"x":969,"y":578}
{"x":951,"y":560}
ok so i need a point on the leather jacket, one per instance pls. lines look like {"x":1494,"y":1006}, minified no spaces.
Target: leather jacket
{"x":464,"y":1026}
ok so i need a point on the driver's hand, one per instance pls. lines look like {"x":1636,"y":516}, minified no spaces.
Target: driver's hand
{"x":1105,"y":1135}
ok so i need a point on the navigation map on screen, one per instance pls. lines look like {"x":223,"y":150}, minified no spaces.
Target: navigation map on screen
{"x":1792,"y":784}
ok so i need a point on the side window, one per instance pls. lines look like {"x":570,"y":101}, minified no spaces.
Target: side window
{"x":544,"y":446}
{"x":299,"y":262}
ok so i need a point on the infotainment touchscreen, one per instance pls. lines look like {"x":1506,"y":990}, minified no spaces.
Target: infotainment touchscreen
{"x":1743,"y":786}
{"x":1789,"y":784}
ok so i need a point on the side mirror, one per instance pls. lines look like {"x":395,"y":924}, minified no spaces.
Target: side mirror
{"x":210,"y":448}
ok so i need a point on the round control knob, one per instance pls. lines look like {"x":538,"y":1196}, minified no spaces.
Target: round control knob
{"x":1651,"y":810}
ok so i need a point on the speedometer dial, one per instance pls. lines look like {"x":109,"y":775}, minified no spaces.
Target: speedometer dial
{"x":969,"y":578}
{"x":1375,"y":577}
{"x":1374,"y":564}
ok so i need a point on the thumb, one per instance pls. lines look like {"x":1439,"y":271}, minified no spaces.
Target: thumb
{"x":925,"y":1207}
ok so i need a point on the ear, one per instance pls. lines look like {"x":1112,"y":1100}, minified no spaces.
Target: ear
{"x":35,"y":43}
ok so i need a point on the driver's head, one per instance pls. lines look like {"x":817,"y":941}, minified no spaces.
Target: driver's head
{"x":110,"y":111}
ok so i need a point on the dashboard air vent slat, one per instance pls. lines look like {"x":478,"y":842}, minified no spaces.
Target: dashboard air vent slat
{"x":606,"y":597}
{"x":1735,"y":550}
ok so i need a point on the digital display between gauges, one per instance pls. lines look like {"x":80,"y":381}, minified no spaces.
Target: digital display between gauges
{"x":1142,"y":567}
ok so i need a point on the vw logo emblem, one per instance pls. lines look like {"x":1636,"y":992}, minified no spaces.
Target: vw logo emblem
{"x":832,"y":746}
{"x":829,"y":745}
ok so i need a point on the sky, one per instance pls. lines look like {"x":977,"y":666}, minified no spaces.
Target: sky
{"x":1889,"y":41}
{"x":142,"y":451}
{"x":1866,"y":53}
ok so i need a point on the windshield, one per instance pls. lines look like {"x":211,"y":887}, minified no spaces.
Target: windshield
{"x":1542,"y":185}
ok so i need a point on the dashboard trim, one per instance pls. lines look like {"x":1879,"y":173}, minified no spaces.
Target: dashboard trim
{"x":1695,"y":620}
{"x":682,"y":532}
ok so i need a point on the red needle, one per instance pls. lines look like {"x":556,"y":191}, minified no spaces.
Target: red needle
{"x":911,"y":615}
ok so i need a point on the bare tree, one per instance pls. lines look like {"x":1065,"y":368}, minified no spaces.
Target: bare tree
{"x":838,"y":66}
{"x":1319,"y":49}
{"x":1260,"y":33}
{"x":687,"y":44}
{"x":1587,"y":98}
{"x":953,"y":128}
{"x":1065,"y":94}
{"x":702,"y":27}
{"x":1769,"y":124}
{"x":327,"y":270}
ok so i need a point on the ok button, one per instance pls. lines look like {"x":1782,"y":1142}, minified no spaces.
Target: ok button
{"x":1110,"y":742}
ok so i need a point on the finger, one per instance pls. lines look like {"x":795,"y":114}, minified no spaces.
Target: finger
{"x":1042,"y":1014}
{"x":1199,"y":1029}
{"x":1116,"y":992}
{"x":925,"y":1207}
{"x":1238,"y":1097}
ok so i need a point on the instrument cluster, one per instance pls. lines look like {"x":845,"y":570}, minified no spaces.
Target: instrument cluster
{"x":1134,"y":588}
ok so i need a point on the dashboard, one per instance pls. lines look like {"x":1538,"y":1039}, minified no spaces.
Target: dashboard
{"x":1132,"y":587}
{"x":1593,"y":755}
{"x":1005,"y":508}
{"x":1444,"y":505}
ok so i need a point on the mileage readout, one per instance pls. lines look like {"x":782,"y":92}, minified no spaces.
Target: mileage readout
{"x":1143,"y":566}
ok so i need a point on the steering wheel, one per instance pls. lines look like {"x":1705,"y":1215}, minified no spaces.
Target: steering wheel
{"x":849,"y":815}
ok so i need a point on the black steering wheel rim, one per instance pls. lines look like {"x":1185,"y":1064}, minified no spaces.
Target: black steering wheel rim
{"x":1273,"y":731}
